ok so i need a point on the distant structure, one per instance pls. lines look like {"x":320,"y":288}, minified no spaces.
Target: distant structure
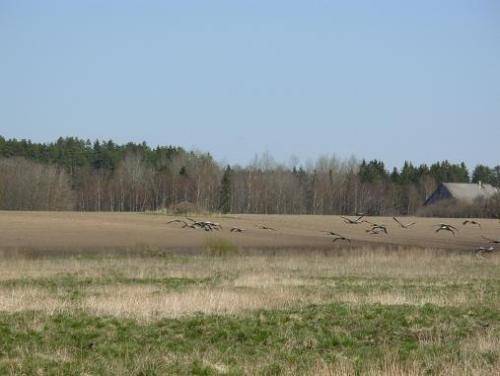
{"x":464,"y":192}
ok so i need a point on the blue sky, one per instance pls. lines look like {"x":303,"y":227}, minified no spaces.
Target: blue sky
{"x":391,"y":80}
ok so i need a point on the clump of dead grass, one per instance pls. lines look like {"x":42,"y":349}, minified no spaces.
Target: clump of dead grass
{"x":216,"y":246}
{"x":147,"y":302}
{"x":31,"y":299}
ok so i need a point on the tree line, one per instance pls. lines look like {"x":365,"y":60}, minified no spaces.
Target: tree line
{"x":76,"y":174}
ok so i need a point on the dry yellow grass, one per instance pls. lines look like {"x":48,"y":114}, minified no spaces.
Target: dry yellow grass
{"x":135,"y":287}
{"x":30,"y":299}
{"x":147,"y":302}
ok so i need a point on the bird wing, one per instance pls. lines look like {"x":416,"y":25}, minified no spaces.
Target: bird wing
{"x":264,"y":227}
{"x":176,"y":221}
{"x":341,"y":238}
{"x":491,"y":240}
{"x":399,"y":223}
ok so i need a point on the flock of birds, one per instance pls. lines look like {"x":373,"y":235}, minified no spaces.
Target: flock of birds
{"x":212,"y":226}
{"x":373,"y":228}
{"x":376,"y":228}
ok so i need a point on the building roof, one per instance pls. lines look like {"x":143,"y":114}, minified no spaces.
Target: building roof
{"x":469,"y":192}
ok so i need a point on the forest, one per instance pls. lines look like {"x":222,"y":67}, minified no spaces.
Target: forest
{"x":77,"y":174}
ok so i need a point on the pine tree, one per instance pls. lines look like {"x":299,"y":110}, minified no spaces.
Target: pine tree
{"x":225,"y":199}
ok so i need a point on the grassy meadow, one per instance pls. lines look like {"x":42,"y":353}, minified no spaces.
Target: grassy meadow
{"x":227,"y":311}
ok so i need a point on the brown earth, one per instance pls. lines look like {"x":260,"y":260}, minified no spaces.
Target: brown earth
{"x":82,"y":231}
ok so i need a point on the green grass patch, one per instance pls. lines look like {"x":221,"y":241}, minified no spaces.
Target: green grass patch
{"x":70,"y":281}
{"x":263,"y":342}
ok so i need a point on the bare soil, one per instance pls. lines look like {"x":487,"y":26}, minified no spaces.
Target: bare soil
{"x":81,"y":231}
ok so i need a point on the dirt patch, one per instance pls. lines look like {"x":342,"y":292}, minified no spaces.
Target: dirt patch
{"x":29,"y":232}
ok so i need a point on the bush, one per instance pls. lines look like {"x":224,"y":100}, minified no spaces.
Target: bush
{"x":493,"y":206}
{"x":215,"y":246}
{"x":183,"y":208}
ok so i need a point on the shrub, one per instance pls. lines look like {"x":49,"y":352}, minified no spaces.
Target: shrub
{"x":215,"y":246}
{"x":183,"y":208}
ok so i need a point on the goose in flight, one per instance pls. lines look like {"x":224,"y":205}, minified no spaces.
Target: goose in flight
{"x":194,"y":223}
{"x":264,"y":227}
{"x":446,"y":227}
{"x":213,"y":225}
{"x":405,"y":226}
{"x":341,"y":238}
{"x":204,"y":225}
{"x":337,"y":236}
{"x":377,"y":229}
{"x":492,"y":241}
{"x":481,"y":250}
{"x":331,"y":233}
{"x":351,"y":221}
{"x":471,"y":222}
{"x":185,"y":224}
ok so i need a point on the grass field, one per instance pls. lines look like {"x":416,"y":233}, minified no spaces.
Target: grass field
{"x":126,"y":294}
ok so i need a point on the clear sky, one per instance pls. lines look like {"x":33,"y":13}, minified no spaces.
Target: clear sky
{"x":394,"y":80}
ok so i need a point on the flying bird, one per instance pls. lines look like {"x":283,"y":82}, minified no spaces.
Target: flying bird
{"x":213,"y":225}
{"x":179,"y":221}
{"x":446,"y":227}
{"x":481,"y":250}
{"x":337,"y":236}
{"x":492,"y":241}
{"x":264,"y":227}
{"x":331,"y":233}
{"x":204,"y":225}
{"x":405,"y":226}
{"x":471,"y":222}
{"x":341,"y":238}
{"x":377,"y":229}
{"x":350,"y":221}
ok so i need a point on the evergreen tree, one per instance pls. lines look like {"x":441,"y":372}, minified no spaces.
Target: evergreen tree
{"x":226,"y":197}
{"x":483,"y":174}
{"x":372,"y":172}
